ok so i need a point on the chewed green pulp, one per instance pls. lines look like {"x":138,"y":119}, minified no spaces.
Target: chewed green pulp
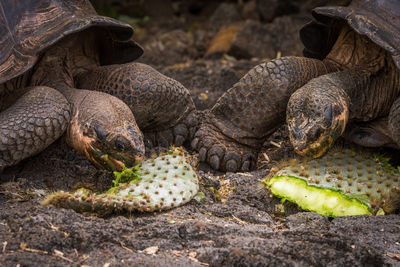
{"x":340,"y":183}
{"x":127,"y":175}
{"x":159,"y":183}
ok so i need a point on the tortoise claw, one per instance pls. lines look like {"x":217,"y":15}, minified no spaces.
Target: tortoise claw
{"x":176,"y":135}
{"x":194,"y":143}
{"x":246,"y":166}
{"x":214,"y":162}
{"x":179,"y":140}
{"x":202,"y":154}
{"x":222,"y":152}
{"x":247,"y":163}
{"x":231,"y":165}
{"x":181,"y":130}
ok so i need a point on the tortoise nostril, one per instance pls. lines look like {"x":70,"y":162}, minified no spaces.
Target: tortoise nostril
{"x":295,"y":133}
{"x":314,"y":134}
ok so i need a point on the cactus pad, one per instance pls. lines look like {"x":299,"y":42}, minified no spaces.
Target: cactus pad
{"x":340,"y":183}
{"x":160,"y":183}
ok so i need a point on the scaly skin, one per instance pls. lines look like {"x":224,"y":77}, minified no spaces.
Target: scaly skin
{"x":102,"y":127}
{"x":318,"y":112}
{"x":104,"y":130}
{"x":162,"y":107}
{"x":364,"y":90}
{"x":32,"y":123}
{"x":70,"y":40}
{"x":233,"y":132}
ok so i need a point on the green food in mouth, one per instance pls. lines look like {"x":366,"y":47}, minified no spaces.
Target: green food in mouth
{"x":341,"y":183}
{"x":160,"y":183}
{"x":127,"y":175}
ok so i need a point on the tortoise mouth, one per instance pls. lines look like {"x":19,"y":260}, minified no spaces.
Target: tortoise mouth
{"x":111,"y":162}
{"x":306,"y":147}
{"x":314,"y":140}
{"x":316,"y":149}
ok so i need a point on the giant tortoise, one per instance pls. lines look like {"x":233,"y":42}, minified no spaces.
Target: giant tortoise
{"x":347,"y":83}
{"x":64,"y":68}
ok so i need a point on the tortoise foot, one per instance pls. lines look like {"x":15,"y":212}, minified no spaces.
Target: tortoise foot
{"x":222,"y":152}
{"x":173,"y":136}
{"x":177,"y":135}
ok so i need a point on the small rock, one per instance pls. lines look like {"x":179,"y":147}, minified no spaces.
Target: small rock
{"x":260,"y":40}
{"x":269,"y":9}
{"x":225,"y":14}
{"x":151,"y":250}
{"x":202,"y":38}
{"x":169,"y":48}
{"x":249,"y":10}
{"x":253,"y":39}
{"x":222,"y":41}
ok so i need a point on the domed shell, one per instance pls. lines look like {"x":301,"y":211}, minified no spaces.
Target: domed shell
{"x":379,"y":20}
{"x":27,"y":27}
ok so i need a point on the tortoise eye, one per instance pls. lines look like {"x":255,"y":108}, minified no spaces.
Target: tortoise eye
{"x":121,"y":144}
{"x":328,"y":116}
{"x":100,"y":132}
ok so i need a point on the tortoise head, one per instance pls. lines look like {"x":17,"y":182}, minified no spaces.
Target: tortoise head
{"x":103,"y":128}
{"x":315,"y":118}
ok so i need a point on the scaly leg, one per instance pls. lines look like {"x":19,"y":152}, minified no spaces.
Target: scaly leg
{"x":234,"y":130}
{"x":32,"y":123}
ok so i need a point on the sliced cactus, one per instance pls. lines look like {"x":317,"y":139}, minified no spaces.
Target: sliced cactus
{"x":159,"y":183}
{"x":341,"y":183}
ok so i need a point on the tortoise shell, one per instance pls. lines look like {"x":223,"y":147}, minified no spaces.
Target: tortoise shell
{"x":28,"y":27}
{"x":379,"y":20}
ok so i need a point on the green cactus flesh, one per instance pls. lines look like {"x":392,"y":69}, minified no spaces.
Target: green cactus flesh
{"x":158,"y":184}
{"x":339,"y":184}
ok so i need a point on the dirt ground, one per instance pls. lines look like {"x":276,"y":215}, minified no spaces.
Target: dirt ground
{"x":239,"y":223}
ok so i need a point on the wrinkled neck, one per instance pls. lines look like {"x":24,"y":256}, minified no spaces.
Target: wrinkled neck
{"x":352,"y":49}
{"x":65,"y":60}
{"x":54,"y":70}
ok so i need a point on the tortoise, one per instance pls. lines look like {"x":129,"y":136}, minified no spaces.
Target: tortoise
{"x":348,"y":84}
{"x":64,"y":68}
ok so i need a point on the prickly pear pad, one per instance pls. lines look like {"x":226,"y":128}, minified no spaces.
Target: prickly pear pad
{"x":341,"y":183}
{"x":325,"y":201}
{"x":160,"y":183}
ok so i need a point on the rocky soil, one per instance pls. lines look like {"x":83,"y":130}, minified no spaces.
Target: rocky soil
{"x":207,"y":46}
